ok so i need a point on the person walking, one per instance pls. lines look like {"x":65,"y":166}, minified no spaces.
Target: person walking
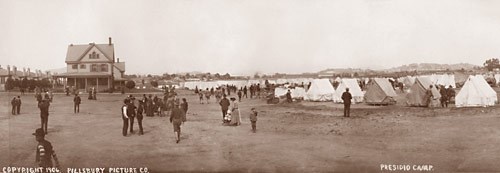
{"x":177,"y":118}
{"x":224,"y":104}
{"x":253,"y":119}
{"x":239,"y":95}
{"x":125,"y":117}
{"x":289,"y":96}
{"x":44,"y":151}
{"x":44,"y":114}
{"x":346,"y":97}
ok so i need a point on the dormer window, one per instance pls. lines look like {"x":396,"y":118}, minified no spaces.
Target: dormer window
{"x":94,"y":55}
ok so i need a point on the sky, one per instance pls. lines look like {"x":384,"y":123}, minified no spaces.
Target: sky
{"x":248,"y":36}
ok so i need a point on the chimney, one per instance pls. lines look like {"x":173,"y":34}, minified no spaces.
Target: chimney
{"x":110,"y":43}
{"x":8,"y":69}
{"x":117,"y":59}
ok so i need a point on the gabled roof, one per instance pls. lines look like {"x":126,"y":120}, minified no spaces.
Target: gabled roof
{"x":76,"y":52}
{"x":120,"y":66}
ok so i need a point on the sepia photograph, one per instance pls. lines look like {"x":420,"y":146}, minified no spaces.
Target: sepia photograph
{"x":260,"y":86}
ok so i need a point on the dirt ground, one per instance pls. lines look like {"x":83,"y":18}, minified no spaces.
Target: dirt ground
{"x":298,"y":137}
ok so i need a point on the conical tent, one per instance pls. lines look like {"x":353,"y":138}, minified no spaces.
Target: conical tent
{"x":476,"y":92}
{"x":380,"y":91}
{"x":320,"y":90}
{"x":354,"y":89}
{"x":446,"y":80}
{"x":417,"y":94}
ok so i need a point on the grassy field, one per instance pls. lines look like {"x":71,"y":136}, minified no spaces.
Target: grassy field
{"x":298,"y":137}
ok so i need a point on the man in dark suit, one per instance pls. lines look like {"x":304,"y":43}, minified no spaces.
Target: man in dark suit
{"x":77,"y":100}
{"x":346,"y":97}
{"x":224,"y":104}
{"x":44,"y":113}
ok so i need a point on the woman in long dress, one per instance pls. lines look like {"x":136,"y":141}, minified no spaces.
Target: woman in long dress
{"x":235,"y":113}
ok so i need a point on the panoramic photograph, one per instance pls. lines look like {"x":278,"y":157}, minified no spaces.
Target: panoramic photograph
{"x":126,"y":86}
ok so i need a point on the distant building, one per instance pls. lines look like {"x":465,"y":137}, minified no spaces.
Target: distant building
{"x":93,"y":65}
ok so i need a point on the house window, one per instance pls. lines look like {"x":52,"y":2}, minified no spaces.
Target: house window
{"x":94,"y":55}
{"x":82,"y":66}
{"x":74,"y":66}
{"x":104,"y":67}
{"x":93,"y":68}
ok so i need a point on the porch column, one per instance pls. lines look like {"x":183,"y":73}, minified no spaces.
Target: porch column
{"x":86,"y":86}
{"x":97,"y":87}
{"x":74,"y":79}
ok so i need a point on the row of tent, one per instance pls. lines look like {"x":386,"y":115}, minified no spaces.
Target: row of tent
{"x":475,"y":92}
{"x":444,"y":79}
{"x":379,"y":91}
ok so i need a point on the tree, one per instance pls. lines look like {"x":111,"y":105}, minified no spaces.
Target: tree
{"x":154,"y":83}
{"x":227,"y":76}
{"x":9,"y":84}
{"x":491,"y":64}
{"x":130,"y":84}
{"x":256,"y":75}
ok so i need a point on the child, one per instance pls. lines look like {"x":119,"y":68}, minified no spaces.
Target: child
{"x":44,"y":151}
{"x":253,"y":119}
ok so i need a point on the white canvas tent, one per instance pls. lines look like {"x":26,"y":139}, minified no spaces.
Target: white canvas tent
{"x":446,"y":80}
{"x":476,"y":92}
{"x":297,"y":92}
{"x":354,"y":89}
{"x":380,"y":91}
{"x":320,"y":90}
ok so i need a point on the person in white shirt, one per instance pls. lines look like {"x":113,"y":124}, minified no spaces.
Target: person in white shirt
{"x":125,"y":116}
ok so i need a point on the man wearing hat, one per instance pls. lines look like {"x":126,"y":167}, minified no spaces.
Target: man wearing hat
{"x":77,"y":100}
{"x":125,"y":115}
{"x":224,"y":104}
{"x":131,"y":112}
{"x":44,"y":113}
{"x":346,"y":97}
{"x":177,"y":118}
{"x":44,"y":151}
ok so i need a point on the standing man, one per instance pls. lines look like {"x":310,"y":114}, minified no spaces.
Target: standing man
{"x":245,"y":91}
{"x":18,"y":105}
{"x":77,"y":100}
{"x":224,"y":104}
{"x":444,"y":96}
{"x":289,"y":96}
{"x":13,"y":102}
{"x":184,"y":105}
{"x":346,"y":97}
{"x":253,"y":119}
{"x":44,"y":113}
{"x":177,"y":118}
{"x":140,"y":110}
{"x":44,"y":151}
{"x":125,"y":116}
{"x":131,"y":112}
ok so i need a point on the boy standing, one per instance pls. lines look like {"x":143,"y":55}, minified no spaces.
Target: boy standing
{"x":253,"y":119}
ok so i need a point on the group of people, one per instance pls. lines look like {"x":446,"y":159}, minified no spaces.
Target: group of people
{"x":218,"y":92}
{"x":16,"y":105}
{"x":147,"y":105}
{"x":446,"y":95}
{"x":231,"y":113}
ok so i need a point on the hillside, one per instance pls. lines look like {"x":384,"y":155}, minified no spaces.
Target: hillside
{"x":432,"y":66}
